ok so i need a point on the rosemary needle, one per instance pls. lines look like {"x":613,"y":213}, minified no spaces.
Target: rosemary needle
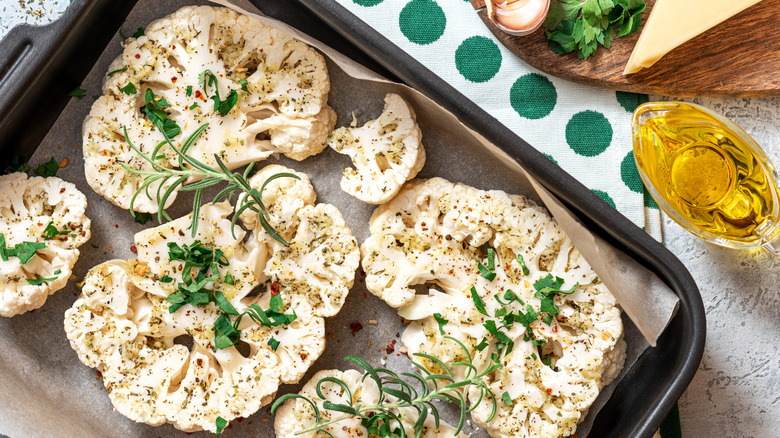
{"x":206,"y":176}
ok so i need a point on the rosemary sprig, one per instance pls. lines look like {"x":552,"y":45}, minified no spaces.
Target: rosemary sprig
{"x":395,"y":392}
{"x":207,"y":176}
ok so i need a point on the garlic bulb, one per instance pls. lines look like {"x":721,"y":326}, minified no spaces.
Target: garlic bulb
{"x":517,"y":17}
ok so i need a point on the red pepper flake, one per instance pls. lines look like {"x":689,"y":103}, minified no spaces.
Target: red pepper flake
{"x":355,"y":327}
{"x":137,"y":56}
{"x":116,"y":225}
{"x":62,"y":190}
{"x":134,"y":250}
{"x":389,"y":349}
{"x":174,"y":48}
{"x":199,"y":95}
{"x":365,"y":295}
{"x":304,"y":356}
{"x":200,"y":362}
{"x":274,"y":288}
{"x":549,"y":390}
{"x":40,"y":224}
{"x":174,"y":79}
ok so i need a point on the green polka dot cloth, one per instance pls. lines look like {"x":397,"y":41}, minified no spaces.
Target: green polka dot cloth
{"x":585,"y":130}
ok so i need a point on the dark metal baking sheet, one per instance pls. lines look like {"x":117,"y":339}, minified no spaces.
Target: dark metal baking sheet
{"x":38,"y":67}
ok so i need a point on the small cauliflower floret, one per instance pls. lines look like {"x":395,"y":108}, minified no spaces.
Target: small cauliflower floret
{"x":297,"y":414}
{"x":557,"y":352}
{"x":316,"y":270}
{"x":42,"y":224}
{"x":386,"y":152}
{"x":259,"y":90}
{"x":282,"y":197}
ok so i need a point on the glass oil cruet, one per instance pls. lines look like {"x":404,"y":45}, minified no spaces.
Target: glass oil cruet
{"x":707,"y":174}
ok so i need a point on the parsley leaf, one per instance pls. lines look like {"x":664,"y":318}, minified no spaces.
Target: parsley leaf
{"x":39,"y":281}
{"x":478,"y":303}
{"x":78,"y":93}
{"x":207,"y":78}
{"x":138,"y":32}
{"x":48,"y":168}
{"x":142,"y":218}
{"x":154,"y":111}
{"x":273,"y":343}
{"x":50,"y":232}
{"x":507,"y":399}
{"x":188,"y":93}
{"x":129,"y":88}
{"x":441,"y":321}
{"x":17,"y":165}
{"x":521,"y":261}
{"x":243,"y":83}
{"x":112,"y":73}
{"x":23,"y":251}
{"x":221,"y":423}
{"x":584,"y":25}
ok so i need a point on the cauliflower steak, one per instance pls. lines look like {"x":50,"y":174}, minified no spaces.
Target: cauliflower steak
{"x":135,"y":318}
{"x":386,"y":152}
{"x":509,"y":285}
{"x":297,"y":414}
{"x":42,"y":225}
{"x":259,"y":90}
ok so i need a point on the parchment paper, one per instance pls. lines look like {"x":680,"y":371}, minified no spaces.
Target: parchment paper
{"x":46,"y":391}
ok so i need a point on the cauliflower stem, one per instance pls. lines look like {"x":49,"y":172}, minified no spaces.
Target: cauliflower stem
{"x":381,"y":414}
{"x":206,"y":176}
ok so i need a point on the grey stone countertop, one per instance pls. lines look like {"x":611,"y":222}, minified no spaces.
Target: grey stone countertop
{"x":736,"y":392}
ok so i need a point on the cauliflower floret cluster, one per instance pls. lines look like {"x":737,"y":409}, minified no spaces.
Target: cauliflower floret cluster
{"x":297,"y":414}
{"x":135,"y":318}
{"x":259,"y":90}
{"x":42,"y":224}
{"x":511,"y":287}
{"x":386,"y":152}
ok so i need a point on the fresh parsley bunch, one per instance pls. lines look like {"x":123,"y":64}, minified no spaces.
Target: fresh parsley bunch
{"x":583,"y":25}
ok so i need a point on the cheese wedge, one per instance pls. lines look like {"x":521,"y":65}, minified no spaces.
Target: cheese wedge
{"x":673,"y":22}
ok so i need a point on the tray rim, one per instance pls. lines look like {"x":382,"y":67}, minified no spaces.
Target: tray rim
{"x":561,"y":184}
{"x":598,"y":215}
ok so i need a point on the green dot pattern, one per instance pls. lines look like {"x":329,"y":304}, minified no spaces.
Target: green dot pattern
{"x":533,"y":96}
{"x":605,"y":197}
{"x":588,"y":133}
{"x":649,"y":201}
{"x":478,"y":59}
{"x":422,"y":21}
{"x":629,"y":101}
{"x":367,"y":3}
{"x":630,"y":175}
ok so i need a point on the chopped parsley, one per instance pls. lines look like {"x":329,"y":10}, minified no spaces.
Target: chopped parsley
{"x":48,"y":168}
{"x":157,"y":115}
{"x":78,"y":93}
{"x":522,"y":264}
{"x":50,"y":232}
{"x":164,"y":279}
{"x":243,"y":85}
{"x":39,"y":281}
{"x":188,"y":93}
{"x":194,"y":105}
{"x":478,"y":303}
{"x":17,"y":165}
{"x":23,"y":251}
{"x":138,"y":32}
{"x":112,"y":73}
{"x":507,"y":399}
{"x":273,"y":343}
{"x":142,"y":218}
{"x":487,"y":272}
{"x":441,"y":321}
{"x":221,"y":423}
{"x":207,"y":79}
{"x":129,"y":88}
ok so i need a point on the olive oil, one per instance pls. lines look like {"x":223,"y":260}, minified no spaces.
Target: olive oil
{"x":707,"y":173}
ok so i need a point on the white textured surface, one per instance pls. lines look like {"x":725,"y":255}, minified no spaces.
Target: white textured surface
{"x":736,"y":392}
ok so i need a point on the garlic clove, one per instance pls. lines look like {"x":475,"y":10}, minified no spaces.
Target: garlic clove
{"x":517,"y":17}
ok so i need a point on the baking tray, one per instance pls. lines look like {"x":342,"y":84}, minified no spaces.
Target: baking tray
{"x":38,"y":66}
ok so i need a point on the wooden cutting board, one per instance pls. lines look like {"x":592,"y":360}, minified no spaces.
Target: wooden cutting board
{"x":738,"y":58}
